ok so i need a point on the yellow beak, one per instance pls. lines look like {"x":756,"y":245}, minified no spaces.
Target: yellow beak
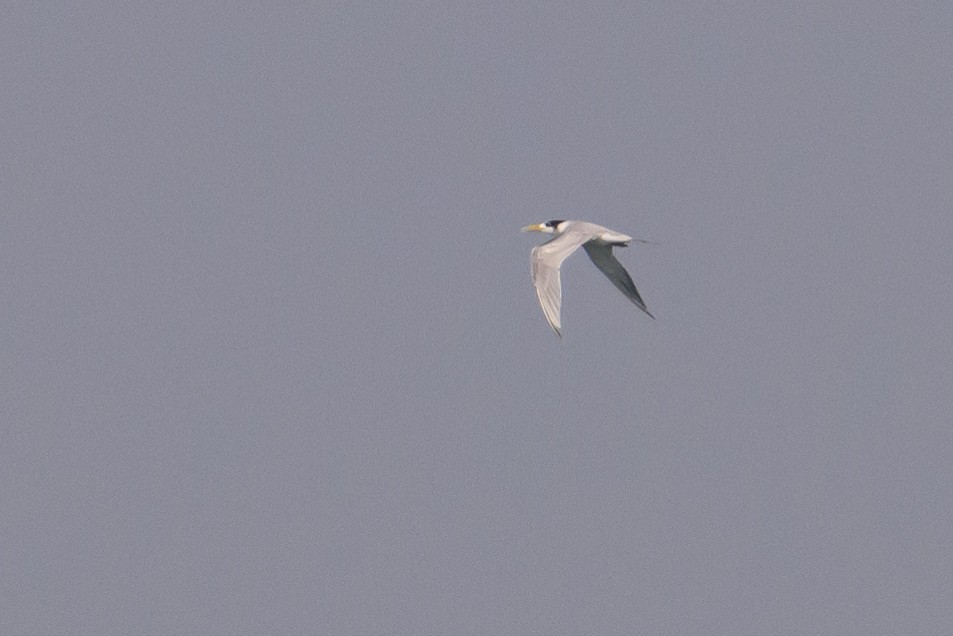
{"x":536,"y":227}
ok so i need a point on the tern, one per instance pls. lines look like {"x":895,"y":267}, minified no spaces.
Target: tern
{"x":598,"y":242}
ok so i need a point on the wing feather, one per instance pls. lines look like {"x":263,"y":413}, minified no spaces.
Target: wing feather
{"x":601,"y":254}
{"x":546,"y":280}
{"x":545,"y":261}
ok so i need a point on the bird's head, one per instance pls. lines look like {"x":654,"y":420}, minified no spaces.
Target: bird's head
{"x":549,"y":227}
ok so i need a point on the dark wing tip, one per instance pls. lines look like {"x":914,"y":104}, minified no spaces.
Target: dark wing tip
{"x":641,"y":305}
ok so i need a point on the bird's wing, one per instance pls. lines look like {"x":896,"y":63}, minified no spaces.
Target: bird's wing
{"x":601,"y":254}
{"x":546,"y":260}
{"x":548,"y":288}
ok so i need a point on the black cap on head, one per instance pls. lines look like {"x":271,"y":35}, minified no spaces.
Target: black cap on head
{"x":553,"y":224}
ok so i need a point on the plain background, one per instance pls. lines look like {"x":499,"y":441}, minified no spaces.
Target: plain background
{"x":271,"y":361}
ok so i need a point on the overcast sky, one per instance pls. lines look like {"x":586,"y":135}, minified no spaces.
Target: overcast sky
{"x":271,"y":361}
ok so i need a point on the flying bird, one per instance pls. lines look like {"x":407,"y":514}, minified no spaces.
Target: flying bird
{"x":598,"y":242}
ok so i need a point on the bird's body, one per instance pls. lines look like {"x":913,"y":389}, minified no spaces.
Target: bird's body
{"x":598,"y":242}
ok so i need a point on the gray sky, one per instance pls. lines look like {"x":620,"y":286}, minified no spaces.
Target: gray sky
{"x":271,"y":360}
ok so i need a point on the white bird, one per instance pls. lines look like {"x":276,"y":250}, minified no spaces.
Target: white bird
{"x":598,"y":242}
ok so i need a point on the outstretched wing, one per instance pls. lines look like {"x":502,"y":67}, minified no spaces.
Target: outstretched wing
{"x":545,"y":261}
{"x":601,"y":254}
{"x":548,"y":289}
